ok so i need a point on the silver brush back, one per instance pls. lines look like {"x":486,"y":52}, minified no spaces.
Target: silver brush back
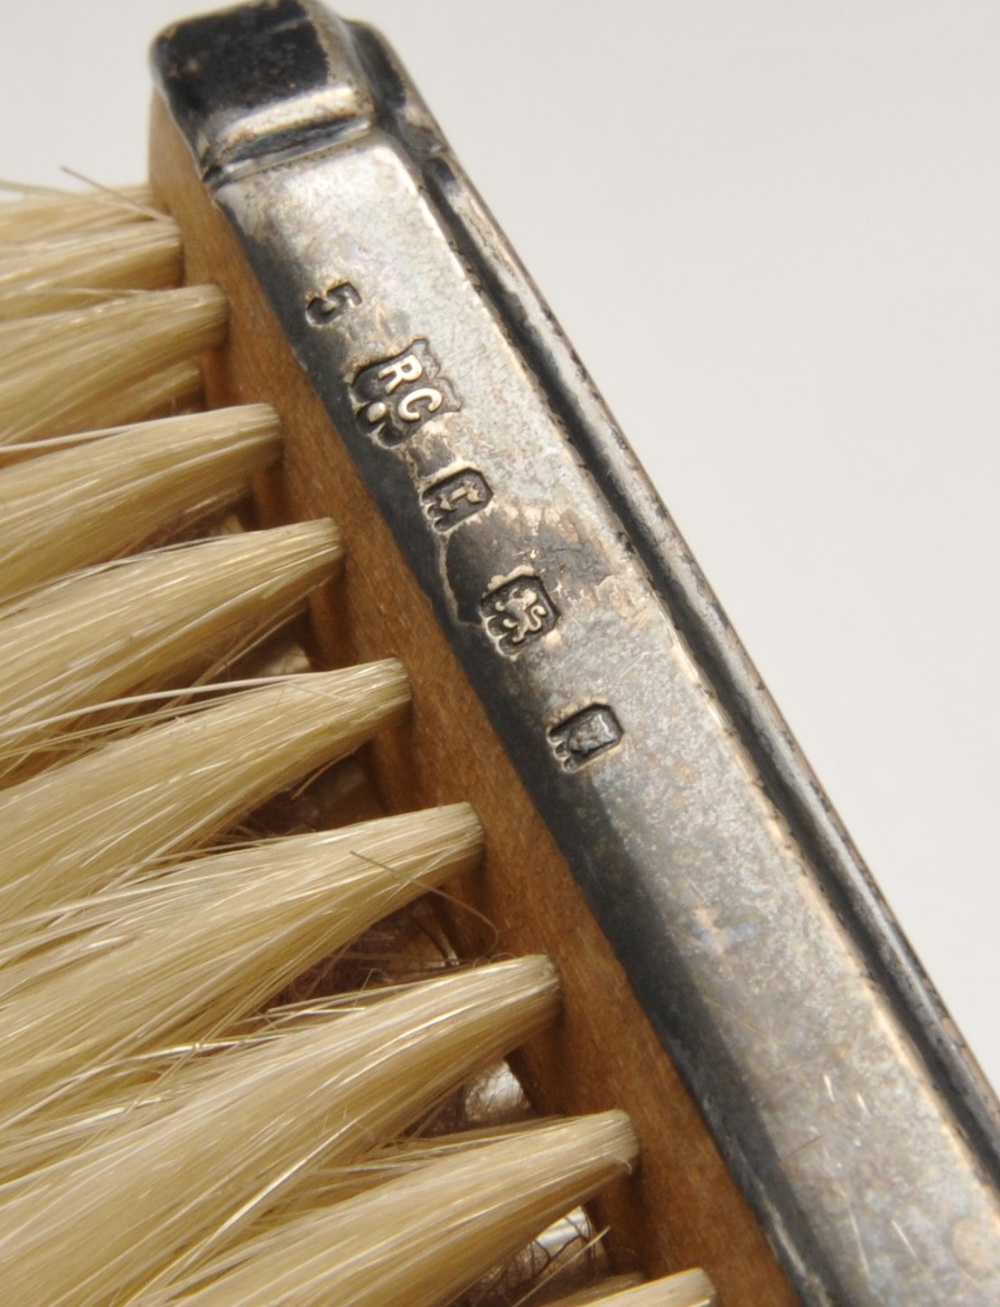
{"x":822,"y":1059}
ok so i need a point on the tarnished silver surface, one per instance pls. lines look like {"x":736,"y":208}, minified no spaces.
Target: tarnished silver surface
{"x":820,"y":1055}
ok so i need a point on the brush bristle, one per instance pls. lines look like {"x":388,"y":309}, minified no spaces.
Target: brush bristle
{"x":101,"y":366}
{"x":196,"y":950}
{"x":397,"y":1242}
{"x":48,"y":214}
{"x":175,"y":1127}
{"x":157,"y":620}
{"x":112,"y":490}
{"x":79,"y":270}
{"x":254,"y":1124}
{"x":74,"y":828}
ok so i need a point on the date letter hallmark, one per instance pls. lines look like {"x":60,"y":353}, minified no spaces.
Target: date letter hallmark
{"x":396,"y":396}
{"x":517,"y":613}
{"x":456,"y":498}
{"x":583,"y":736}
{"x":326,"y":307}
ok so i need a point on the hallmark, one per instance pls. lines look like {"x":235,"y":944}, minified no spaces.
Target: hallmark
{"x":585,"y":735}
{"x":397,"y":395}
{"x":518,"y":612}
{"x":456,"y":498}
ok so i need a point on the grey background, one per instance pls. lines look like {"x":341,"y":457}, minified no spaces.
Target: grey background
{"x":771,"y":230}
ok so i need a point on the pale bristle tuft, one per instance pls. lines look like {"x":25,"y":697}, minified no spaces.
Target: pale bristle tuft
{"x":192,"y":1110}
{"x":74,"y":828}
{"x":78,"y":270}
{"x":46,"y":214}
{"x":193,"y":952}
{"x":423,"y":1238}
{"x":164,"y":393}
{"x":65,"y":372}
{"x":160,"y":1199}
{"x":110,"y":491}
{"x":155,"y":620}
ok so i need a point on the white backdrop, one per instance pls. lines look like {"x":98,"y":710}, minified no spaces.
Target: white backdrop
{"x":771,"y":230}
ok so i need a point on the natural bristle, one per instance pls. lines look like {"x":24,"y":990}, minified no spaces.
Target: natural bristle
{"x":78,"y":270}
{"x":424,"y":1237}
{"x":133,"y":974}
{"x":115,"y":489}
{"x":44,"y":215}
{"x":245,"y":1063}
{"x":65,"y":372}
{"x":194,"y":952}
{"x":257,"y":1123}
{"x":156,"y":620}
{"x":74,"y":828}
{"x":686,"y":1289}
